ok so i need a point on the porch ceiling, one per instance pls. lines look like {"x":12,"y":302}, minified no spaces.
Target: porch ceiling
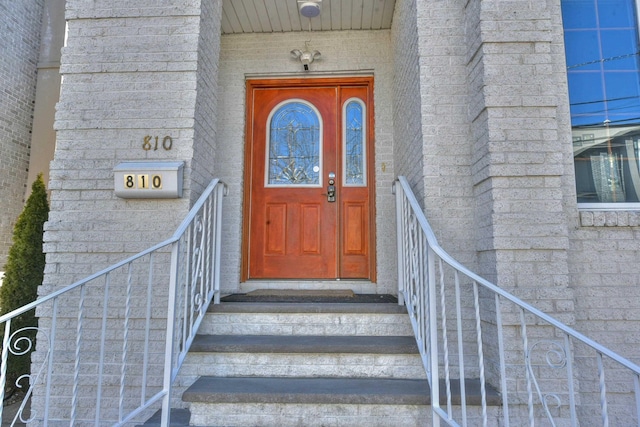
{"x":275,"y":16}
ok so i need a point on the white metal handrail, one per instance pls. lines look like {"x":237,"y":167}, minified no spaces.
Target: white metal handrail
{"x":467,"y":327}
{"x":120,"y":344}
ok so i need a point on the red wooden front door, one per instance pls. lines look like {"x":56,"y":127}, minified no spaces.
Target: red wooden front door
{"x":308,"y":211}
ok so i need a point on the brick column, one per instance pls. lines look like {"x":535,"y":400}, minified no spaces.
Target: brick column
{"x":521,"y":170}
{"x":521,"y":153}
{"x":131,"y":70}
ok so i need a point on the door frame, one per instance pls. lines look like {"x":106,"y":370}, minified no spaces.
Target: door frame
{"x":299,"y":83}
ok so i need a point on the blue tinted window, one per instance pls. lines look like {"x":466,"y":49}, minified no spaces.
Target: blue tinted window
{"x":615,"y":13}
{"x":620,"y":44}
{"x":601,"y":42}
{"x":578,"y":14}
{"x":588,"y":53}
{"x":601,"y":39}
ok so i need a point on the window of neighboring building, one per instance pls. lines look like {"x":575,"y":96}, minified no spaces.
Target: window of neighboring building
{"x":603,"y":69}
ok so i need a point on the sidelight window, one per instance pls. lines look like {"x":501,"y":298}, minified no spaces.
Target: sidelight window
{"x":354,"y":143}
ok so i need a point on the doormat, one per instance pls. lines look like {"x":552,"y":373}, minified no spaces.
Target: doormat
{"x":309,"y":296}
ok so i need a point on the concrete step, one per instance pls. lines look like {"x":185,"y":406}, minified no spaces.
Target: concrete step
{"x":304,"y":344}
{"x":306,"y":364}
{"x":306,"y":356}
{"x":343,"y":319}
{"x":265,"y":401}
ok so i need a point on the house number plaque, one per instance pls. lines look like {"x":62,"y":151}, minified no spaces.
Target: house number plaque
{"x":148,"y":180}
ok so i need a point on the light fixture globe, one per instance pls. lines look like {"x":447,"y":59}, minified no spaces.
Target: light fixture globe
{"x":309,"y":9}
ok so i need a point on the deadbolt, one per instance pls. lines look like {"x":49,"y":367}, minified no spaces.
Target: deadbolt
{"x":331,"y":189}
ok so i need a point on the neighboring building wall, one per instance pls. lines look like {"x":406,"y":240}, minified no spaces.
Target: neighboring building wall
{"x":43,"y":139}
{"x":19,"y":48}
{"x":131,"y":70}
{"x":265,"y":55}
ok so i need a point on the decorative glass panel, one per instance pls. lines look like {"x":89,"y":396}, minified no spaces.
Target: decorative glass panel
{"x":294,"y":145}
{"x":354,"y":143}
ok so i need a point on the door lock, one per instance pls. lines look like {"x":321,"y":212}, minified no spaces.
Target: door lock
{"x":331,"y":189}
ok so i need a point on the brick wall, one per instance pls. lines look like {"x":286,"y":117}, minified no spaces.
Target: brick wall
{"x":19,"y":49}
{"x":206,"y":110}
{"x":408,"y":144}
{"x":445,"y":126}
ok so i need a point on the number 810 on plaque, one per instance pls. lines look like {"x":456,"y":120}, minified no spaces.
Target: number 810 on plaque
{"x":148,"y":180}
{"x":142,"y":181}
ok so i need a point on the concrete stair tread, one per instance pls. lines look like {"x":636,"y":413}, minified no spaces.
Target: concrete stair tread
{"x":284,"y":307}
{"x":308,"y":390}
{"x":304,"y":344}
{"x":372,"y":391}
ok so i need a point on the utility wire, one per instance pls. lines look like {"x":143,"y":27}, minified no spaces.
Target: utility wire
{"x":597,"y":61}
{"x":606,"y":110}
{"x":604,"y":100}
{"x":600,"y":124}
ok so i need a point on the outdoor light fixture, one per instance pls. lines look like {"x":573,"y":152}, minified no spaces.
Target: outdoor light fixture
{"x":309,"y":8}
{"x":306,"y":56}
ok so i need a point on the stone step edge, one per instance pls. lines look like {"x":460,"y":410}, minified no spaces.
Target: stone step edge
{"x":285,"y":307}
{"x":359,"y":391}
{"x":304,"y":344}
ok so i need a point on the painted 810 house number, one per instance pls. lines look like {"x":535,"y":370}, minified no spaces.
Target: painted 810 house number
{"x":150,"y":142}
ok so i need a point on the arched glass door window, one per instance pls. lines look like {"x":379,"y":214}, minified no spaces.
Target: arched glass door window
{"x":294,"y":145}
{"x":354,"y":143}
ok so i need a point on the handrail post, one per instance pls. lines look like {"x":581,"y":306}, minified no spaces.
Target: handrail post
{"x":3,"y":365}
{"x":399,"y":193}
{"x":168,"y":352}
{"x":433,"y":336}
{"x":220,"y":193}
